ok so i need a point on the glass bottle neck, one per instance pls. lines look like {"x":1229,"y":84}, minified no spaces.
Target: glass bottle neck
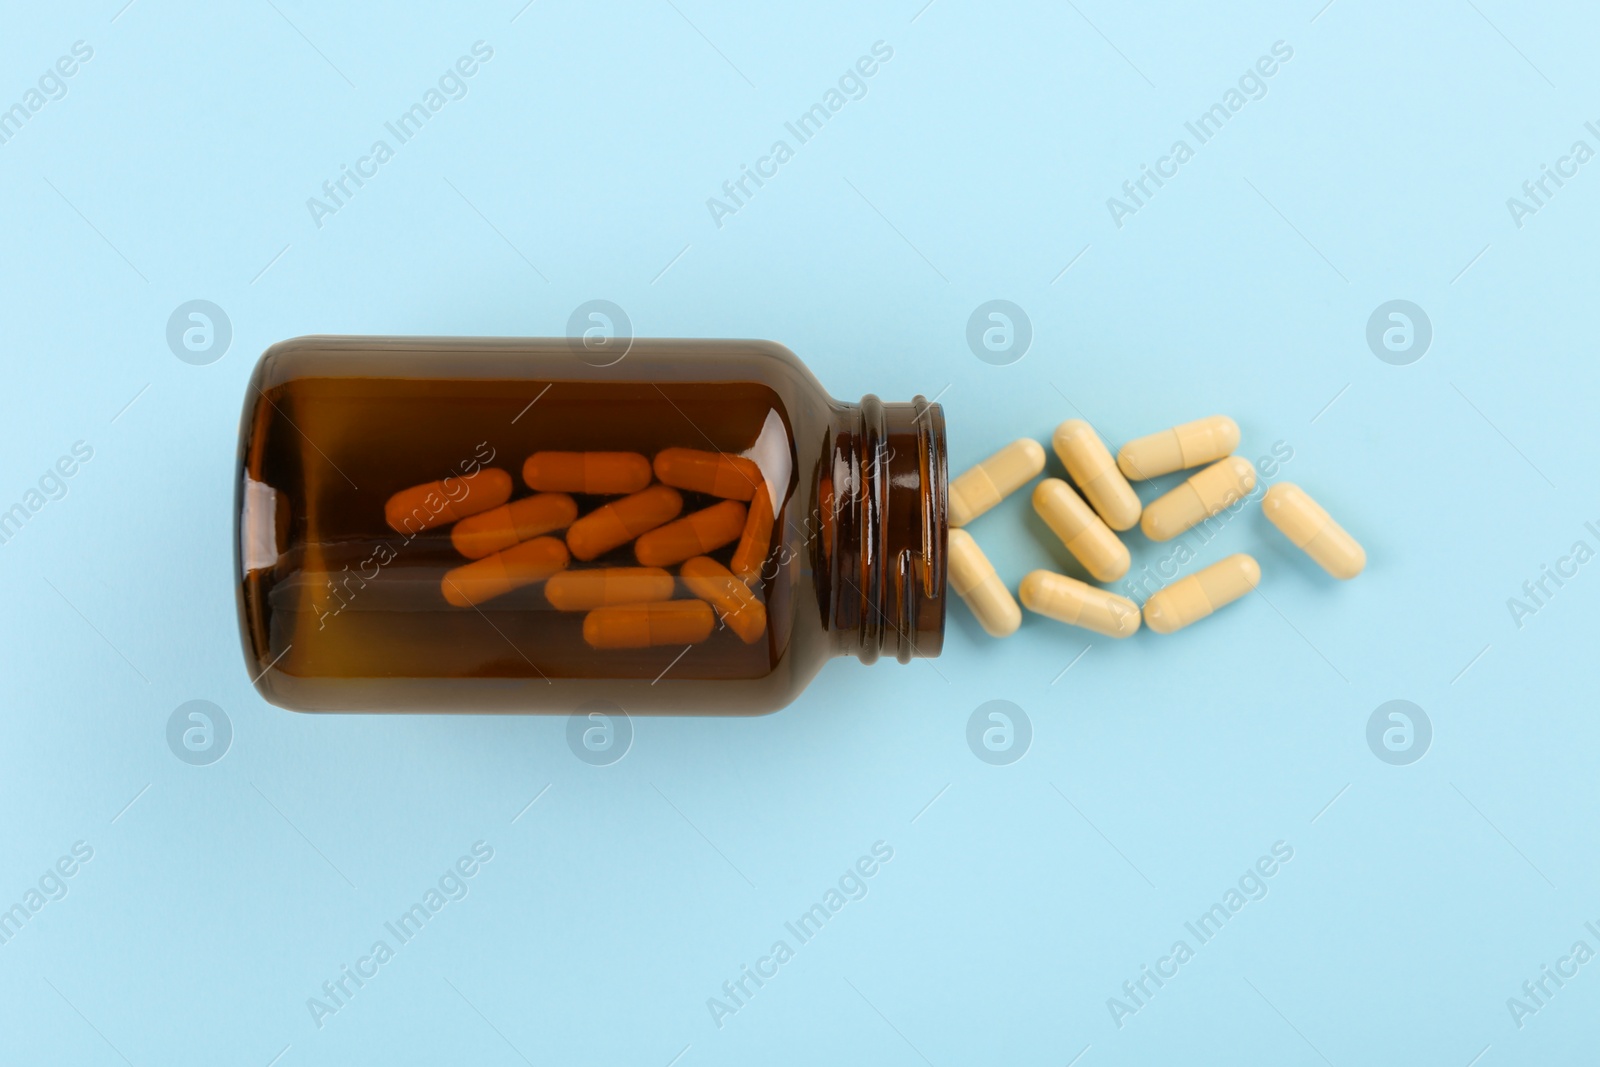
{"x":882,"y":500}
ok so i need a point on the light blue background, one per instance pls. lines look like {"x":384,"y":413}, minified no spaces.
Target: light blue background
{"x":978,"y":166}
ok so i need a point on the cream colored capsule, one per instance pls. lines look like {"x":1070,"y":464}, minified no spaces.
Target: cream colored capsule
{"x":1086,"y":536}
{"x":1311,"y":528}
{"x":996,"y":478}
{"x":1089,"y":463}
{"x":1182,"y":447}
{"x":1208,"y":493}
{"x":973,"y":578}
{"x":1078,"y":603}
{"x":1193,"y":598}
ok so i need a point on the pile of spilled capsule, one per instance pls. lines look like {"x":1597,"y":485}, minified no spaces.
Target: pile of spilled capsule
{"x":1088,"y":525}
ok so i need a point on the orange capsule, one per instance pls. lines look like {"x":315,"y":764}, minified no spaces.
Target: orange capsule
{"x":621,"y":521}
{"x":732,"y":599}
{"x":484,"y":579}
{"x":666,"y":622}
{"x":757,"y":537}
{"x":692,"y":535}
{"x":421,"y":507}
{"x":599,"y":586}
{"x":501,"y":527}
{"x":603,"y":473}
{"x":712,"y":473}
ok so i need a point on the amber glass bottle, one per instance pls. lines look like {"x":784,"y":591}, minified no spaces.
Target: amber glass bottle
{"x":443,"y":524}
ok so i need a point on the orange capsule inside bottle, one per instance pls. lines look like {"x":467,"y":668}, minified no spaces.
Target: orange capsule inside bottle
{"x":756,"y":539}
{"x":521,"y":520}
{"x":735,"y":604}
{"x":601,"y":473}
{"x":617,"y":523}
{"x":422,"y":507}
{"x":693,"y":535}
{"x":666,"y":622}
{"x":484,"y":579}
{"x":712,"y":473}
{"x":584,"y":590}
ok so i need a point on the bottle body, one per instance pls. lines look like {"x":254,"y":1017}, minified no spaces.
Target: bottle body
{"x":376,"y":474}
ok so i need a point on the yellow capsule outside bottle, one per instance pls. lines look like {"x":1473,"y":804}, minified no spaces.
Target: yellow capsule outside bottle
{"x":1085,"y":534}
{"x":984,"y":486}
{"x":1208,"y":493}
{"x":1193,"y":598}
{"x":973,"y":578}
{"x":1079,"y":604}
{"x":1093,"y":470}
{"x":1308,"y":524}
{"x":1190,"y":445}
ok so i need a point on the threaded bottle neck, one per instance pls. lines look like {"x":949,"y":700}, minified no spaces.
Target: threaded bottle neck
{"x":885,"y":491}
